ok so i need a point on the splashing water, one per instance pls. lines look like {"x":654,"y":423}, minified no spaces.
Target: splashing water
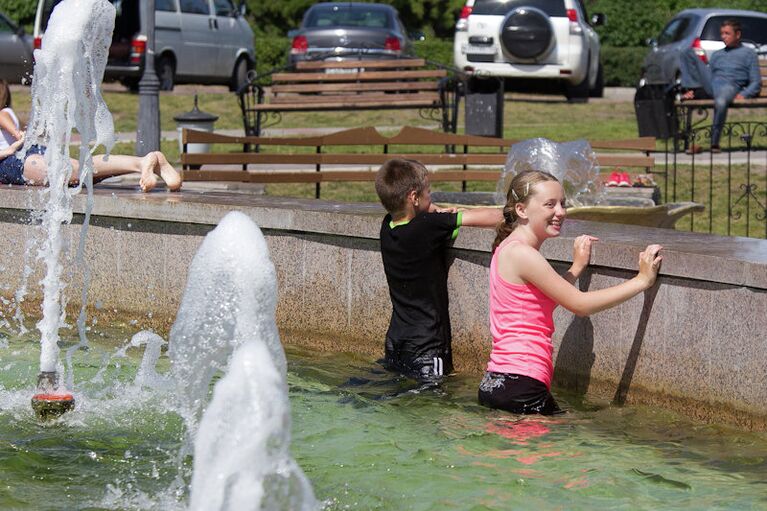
{"x":65,"y":97}
{"x":241,"y":449}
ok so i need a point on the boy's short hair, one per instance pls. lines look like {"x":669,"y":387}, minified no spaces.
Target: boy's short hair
{"x":396,"y":179}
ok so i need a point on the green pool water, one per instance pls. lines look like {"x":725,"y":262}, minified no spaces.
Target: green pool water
{"x":368,"y":440}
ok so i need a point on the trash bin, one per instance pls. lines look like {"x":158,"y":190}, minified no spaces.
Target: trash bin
{"x":654,"y":107}
{"x":484,"y":106}
{"x":195,"y":119}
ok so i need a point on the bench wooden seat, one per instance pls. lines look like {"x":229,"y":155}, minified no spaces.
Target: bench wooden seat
{"x":352,"y":85}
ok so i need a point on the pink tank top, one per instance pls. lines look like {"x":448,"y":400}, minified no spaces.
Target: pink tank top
{"x":521,"y":324}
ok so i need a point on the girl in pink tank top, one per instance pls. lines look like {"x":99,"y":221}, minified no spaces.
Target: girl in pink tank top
{"x":525,"y":289}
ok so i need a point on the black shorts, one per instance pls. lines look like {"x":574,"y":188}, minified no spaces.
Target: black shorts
{"x":516,"y":393}
{"x":12,"y":168}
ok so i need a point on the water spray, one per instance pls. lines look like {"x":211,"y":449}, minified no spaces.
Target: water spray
{"x":66,"y":98}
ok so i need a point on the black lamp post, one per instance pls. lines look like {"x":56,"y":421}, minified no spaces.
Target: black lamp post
{"x":148,"y":129}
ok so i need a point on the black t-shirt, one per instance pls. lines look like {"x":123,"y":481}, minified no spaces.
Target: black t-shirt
{"x":415,"y":261}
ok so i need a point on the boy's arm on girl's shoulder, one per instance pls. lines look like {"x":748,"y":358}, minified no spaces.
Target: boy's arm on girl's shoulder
{"x":481,"y":217}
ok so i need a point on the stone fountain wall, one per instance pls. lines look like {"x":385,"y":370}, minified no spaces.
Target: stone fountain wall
{"x":696,"y":343}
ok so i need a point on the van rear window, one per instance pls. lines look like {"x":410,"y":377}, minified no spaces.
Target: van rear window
{"x":127,"y":22}
{"x":753,"y":29}
{"x":502,"y":7}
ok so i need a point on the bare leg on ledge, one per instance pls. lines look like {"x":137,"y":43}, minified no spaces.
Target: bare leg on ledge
{"x":149,"y":166}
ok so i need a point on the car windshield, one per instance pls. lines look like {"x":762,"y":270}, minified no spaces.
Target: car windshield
{"x":753,"y":29}
{"x":335,"y":15}
{"x":502,"y":7}
{"x":674,"y":31}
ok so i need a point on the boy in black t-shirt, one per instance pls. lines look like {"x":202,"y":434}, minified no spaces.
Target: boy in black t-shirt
{"x":414,"y":237}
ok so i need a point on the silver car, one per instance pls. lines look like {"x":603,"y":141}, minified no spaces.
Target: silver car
{"x":15,"y":52}
{"x":697,"y":29}
{"x":349,"y":30}
{"x":196,"y":41}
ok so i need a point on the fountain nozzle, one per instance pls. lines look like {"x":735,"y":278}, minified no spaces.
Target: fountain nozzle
{"x":49,"y":402}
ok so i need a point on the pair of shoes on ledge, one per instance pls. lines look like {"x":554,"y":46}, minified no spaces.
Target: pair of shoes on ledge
{"x":619,"y":179}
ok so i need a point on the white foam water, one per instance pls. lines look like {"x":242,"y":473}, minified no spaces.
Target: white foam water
{"x":66,"y":97}
{"x":226,"y":322}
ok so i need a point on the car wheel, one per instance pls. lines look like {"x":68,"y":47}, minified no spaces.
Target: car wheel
{"x":166,"y":72}
{"x":239,"y":75}
{"x":599,"y":87}
{"x":578,"y":93}
{"x":526,"y":33}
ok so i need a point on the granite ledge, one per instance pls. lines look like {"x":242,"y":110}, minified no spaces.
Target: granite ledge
{"x":728,"y":260}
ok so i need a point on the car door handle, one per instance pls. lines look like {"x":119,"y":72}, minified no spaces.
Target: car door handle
{"x":213,"y":23}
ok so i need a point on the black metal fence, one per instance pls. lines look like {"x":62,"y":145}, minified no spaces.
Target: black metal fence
{"x":732,"y":184}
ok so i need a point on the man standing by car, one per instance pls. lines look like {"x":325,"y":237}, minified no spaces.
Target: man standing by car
{"x":733,"y":73}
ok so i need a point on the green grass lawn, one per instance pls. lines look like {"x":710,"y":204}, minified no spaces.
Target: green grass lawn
{"x":736,"y":210}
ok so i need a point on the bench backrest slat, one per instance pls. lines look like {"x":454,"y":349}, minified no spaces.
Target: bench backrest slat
{"x":355,"y":77}
{"x":327,"y":176}
{"x":355,"y":64}
{"x":374,"y":160}
{"x":407,"y":136}
{"x":373,"y":97}
{"x":318,"y":88}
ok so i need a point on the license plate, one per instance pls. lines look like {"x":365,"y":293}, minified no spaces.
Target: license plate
{"x":482,"y":50}
{"x":342,"y":70}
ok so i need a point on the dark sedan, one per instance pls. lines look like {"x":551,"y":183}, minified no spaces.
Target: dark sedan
{"x":349,"y":30}
{"x":15,"y":52}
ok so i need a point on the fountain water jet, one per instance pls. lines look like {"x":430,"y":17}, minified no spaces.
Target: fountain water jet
{"x":69,"y":69}
{"x":226,"y":322}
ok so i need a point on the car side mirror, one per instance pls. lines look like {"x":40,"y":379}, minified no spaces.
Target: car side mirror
{"x":652,"y":42}
{"x":242,"y":9}
{"x":598,"y":19}
{"x":418,"y":35}
{"x":20,"y":31}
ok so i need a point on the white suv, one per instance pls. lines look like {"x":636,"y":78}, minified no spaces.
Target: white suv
{"x":531,"y":39}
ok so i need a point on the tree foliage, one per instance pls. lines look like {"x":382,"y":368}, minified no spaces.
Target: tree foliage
{"x":21,"y":12}
{"x":433,"y":17}
{"x":632,"y":23}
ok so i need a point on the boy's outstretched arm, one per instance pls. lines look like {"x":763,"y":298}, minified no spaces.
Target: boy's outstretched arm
{"x":481,"y":217}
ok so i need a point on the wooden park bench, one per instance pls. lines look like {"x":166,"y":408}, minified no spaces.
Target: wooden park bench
{"x":405,"y":83}
{"x":686,"y":108}
{"x":355,"y":155}
{"x":327,"y":158}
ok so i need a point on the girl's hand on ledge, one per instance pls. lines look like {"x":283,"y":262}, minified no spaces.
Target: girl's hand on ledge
{"x":582,"y":253}
{"x":649,"y":265}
